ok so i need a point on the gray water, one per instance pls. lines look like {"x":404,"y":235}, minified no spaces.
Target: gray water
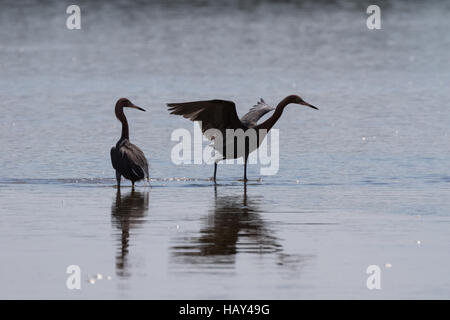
{"x":363,"y":181}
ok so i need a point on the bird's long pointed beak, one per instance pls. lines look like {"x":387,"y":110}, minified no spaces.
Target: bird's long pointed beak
{"x":309,"y":105}
{"x":136,"y":107}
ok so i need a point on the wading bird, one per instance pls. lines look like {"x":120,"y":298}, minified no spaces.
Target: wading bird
{"x":221,"y":115}
{"x":127,"y":159}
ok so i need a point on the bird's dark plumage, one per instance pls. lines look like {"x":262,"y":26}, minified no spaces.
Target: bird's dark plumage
{"x":214,"y":114}
{"x":221,"y":115}
{"x":129,"y":161}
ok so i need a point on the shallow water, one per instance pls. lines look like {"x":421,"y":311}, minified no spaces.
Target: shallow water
{"x":361,"y":181}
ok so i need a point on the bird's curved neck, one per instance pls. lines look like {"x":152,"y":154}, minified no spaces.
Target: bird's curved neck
{"x":269,"y":123}
{"x":121,"y":116}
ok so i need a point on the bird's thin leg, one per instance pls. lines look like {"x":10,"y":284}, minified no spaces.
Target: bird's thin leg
{"x":215,"y":171}
{"x":245,"y":168}
{"x":132,"y":185}
{"x":118,"y":176}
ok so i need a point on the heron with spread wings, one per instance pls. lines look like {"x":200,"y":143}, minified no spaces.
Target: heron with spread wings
{"x":221,"y":115}
{"x":127,"y":159}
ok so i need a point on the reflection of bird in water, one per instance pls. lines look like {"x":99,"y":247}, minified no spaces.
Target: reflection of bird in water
{"x":127,"y":212}
{"x":234,"y":226}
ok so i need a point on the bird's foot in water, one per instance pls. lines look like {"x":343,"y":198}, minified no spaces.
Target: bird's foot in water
{"x":244,"y":180}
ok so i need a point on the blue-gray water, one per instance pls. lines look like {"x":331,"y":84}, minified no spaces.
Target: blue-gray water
{"x":363,"y":181}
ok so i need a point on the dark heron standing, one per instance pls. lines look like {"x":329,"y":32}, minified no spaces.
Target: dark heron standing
{"x":222,"y":115}
{"x":128,"y":160}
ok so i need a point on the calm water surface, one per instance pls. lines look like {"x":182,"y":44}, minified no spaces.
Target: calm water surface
{"x":361,"y":181}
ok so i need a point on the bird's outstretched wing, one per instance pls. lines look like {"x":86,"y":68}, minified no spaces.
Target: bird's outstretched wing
{"x":255,"y":113}
{"x":129,"y":161}
{"x":214,"y":114}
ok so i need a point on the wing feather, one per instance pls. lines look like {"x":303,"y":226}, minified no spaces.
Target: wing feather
{"x":250,"y":119}
{"x":214,"y":114}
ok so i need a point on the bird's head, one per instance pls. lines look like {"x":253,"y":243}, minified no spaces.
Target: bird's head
{"x":125,"y":103}
{"x":298,"y":100}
